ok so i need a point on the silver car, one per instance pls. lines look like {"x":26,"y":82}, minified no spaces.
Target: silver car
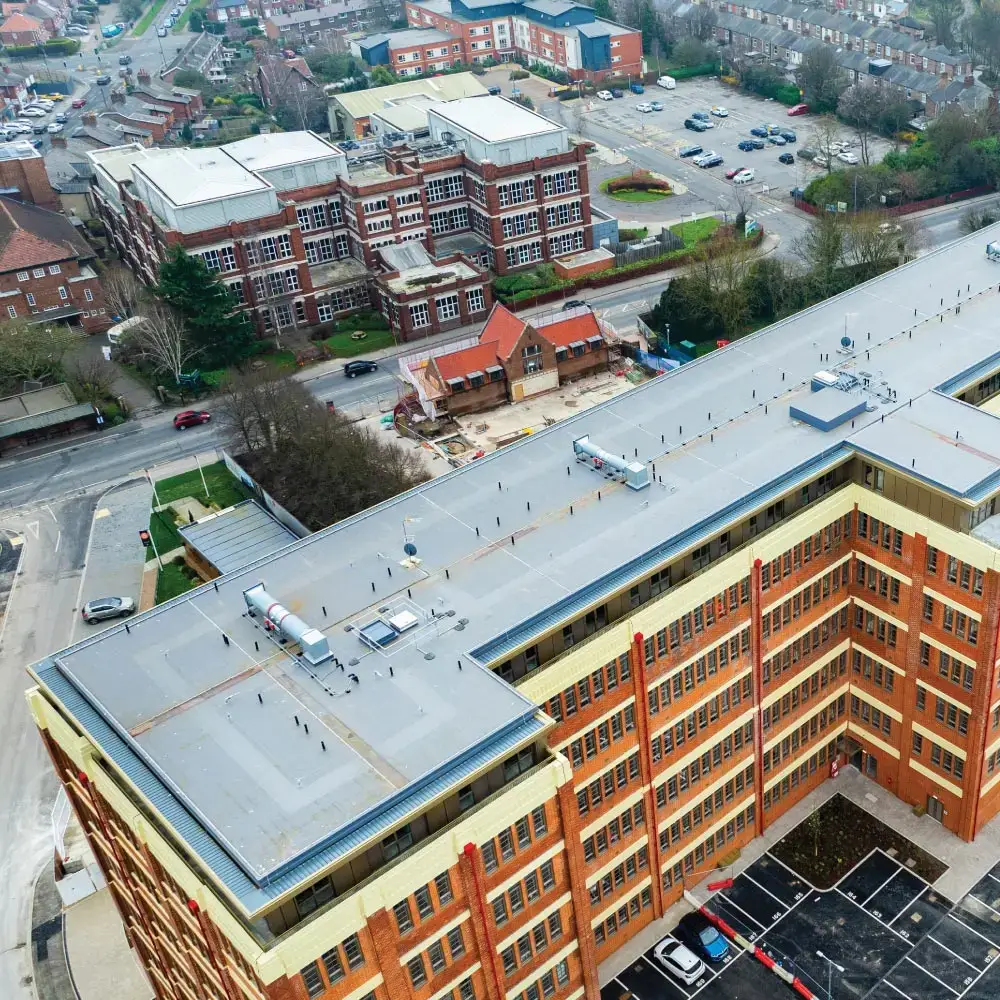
{"x":102,"y":608}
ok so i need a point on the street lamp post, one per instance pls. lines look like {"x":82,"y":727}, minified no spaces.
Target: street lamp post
{"x":830,"y":966}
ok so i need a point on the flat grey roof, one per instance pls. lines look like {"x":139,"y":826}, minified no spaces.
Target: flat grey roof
{"x":264,"y":805}
{"x":232,"y":538}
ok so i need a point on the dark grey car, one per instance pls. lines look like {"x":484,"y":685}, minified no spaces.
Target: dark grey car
{"x":102,"y":608}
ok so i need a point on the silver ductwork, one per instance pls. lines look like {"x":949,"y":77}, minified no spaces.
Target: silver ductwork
{"x":635,"y":475}
{"x":314,"y":645}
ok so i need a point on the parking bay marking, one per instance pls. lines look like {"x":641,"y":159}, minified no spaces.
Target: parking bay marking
{"x":917,"y":965}
{"x":780,"y":902}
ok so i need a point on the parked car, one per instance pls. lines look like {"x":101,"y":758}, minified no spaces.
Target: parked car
{"x":354,"y":368}
{"x":615,"y":92}
{"x":656,"y":105}
{"x":6,"y":135}
{"x":845,"y":156}
{"x":36,"y":143}
{"x":745,"y":176}
{"x":701,"y":936}
{"x":707,"y":160}
{"x":788,"y":135}
{"x":191,"y":418}
{"x":786,"y":158}
{"x":759,"y":130}
{"x":733,"y":171}
{"x":604,"y":95}
{"x":76,"y":29}
{"x":54,"y":127}
{"x":637,"y":88}
{"x":494,"y":91}
{"x":168,"y":23}
{"x":695,"y":125}
{"x":720,"y":112}
{"x":889,"y":227}
{"x":757,"y":143}
{"x":39,"y":128}
{"x":745,"y":145}
{"x":34,"y":113}
{"x":644,"y":107}
{"x":22,"y":128}
{"x":798,"y":109}
{"x":776,"y":140}
{"x":690,"y":151}
{"x":79,"y":103}
{"x":667,"y":83}
{"x":348,"y":144}
{"x":161,"y":32}
{"x":62,"y":118}
{"x":124,"y":60}
{"x":103,"y":608}
{"x":679,"y":960}
{"x":806,"y":153}
{"x":574,"y":304}
{"x":110,"y":30}
{"x":773,"y":129}
{"x":701,"y":116}
{"x":103,"y":80}
{"x":176,"y":12}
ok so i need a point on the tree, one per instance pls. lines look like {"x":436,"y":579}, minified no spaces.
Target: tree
{"x":191,"y":78}
{"x":826,"y":131}
{"x":91,"y":379}
{"x":32,"y":351}
{"x":196,"y":21}
{"x":187,"y":133}
{"x":944,"y":15}
{"x":701,"y":22}
{"x":221,"y":336}
{"x":382,"y":76}
{"x":298,"y":103}
{"x":691,"y":52}
{"x":123,"y":292}
{"x":981,"y":38}
{"x":161,"y":339}
{"x":315,"y":462}
{"x":821,"y":78}
{"x":745,"y":202}
{"x":602,"y":9}
{"x":862,"y":106}
{"x":130,"y":10}
{"x":978,"y":217}
{"x":821,"y":249}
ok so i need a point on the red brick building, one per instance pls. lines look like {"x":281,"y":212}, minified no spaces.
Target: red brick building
{"x":22,"y":29}
{"x":513,"y":360}
{"x":46,"y":269}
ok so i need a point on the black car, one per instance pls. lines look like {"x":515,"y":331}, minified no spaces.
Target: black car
{"x":786,"y":158}
{"x":574,"y":304}
{"x":695,"y":126}
{"x":354,"y":368}
{"x":615,"y":92}
{"x":494,"y":91}
{"x":702,"y":116}
{"x":103,"y":80}
{"x":788,"y":135}
{"x":348,"y":144}
{"x":691,"y":151}
{"x":759,"y":130}
{"x":701,"y":936}
{"x":757,"y":143}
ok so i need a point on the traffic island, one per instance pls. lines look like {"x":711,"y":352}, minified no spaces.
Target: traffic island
{"x":637,"y":186}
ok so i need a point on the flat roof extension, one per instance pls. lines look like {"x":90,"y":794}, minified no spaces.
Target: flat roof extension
{"x":494,"y":119}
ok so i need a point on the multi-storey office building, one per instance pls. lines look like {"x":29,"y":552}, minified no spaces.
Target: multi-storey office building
{"x":294,"y":229}
{"x":480,"y":761}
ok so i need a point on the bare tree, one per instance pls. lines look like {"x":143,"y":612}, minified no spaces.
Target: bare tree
{"x":826,"y":132}
{"x":32,"y":351}
{"x":162,"y":340}
{"x":91,"y":379}
{"x":945,"y":15}
{"x":123,"y":292}
{"x":979,"y":217}
{"x":863,"y":105}
{"x":701,"y":22}
{"x":821,"y":78}
{"x":295,"y":99}
{"x":745,"y":203}
{"x":821,"y":249}
{"x":724,"y":271}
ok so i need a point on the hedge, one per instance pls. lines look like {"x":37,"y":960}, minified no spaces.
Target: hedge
{"x":639,"y":181}
{"x":53,"y":47}
{"x":684,"y":72}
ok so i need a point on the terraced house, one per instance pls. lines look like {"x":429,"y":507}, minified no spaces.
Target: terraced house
{"x":518,"y":709}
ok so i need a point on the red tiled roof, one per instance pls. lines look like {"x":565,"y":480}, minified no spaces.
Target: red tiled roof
{"x":32,"y":236}
{"x":563,"y":333}
{"x":20,"y":22}
{"x":503,"y":327}
{"x":471,"y":359}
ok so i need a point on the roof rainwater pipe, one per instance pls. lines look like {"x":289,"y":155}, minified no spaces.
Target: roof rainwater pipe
{"x":634,"y":475}
{"x":314,"y":645}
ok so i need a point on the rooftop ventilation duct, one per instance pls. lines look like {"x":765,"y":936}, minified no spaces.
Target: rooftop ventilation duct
{"x":315,"y":648}
{"x":634,"y":475}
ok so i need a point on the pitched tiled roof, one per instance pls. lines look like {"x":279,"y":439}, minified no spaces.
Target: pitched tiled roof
{"x":458,"y":364}
{"x":503,"y":327}
{"x":21,"y":22}
{"x":32,"y":236}
{"x":567,"y":331}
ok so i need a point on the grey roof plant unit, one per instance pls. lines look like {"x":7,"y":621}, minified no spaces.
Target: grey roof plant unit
{"x":827,"y":408}
{"x":313,"y":643}
{"x":634,"y":475}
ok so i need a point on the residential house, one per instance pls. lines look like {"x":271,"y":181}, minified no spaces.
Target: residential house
{"x":14,"y":87}
{"x":969,"y":94}
{"x":46,"y":270}
{"x":289,"y":85}
{"x":330,"y":21}
{"x":203,"y":54}
{"x":185,"y":105}
{"x":514,"y":358}
{"x":23,"y":175}
{"x":22,"y":29}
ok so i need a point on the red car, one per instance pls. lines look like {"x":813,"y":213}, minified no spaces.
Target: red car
{"x":191,"y":418}
{"x":79,"y":103}
{"x":799,"y":109}
{"x":731,"y":173}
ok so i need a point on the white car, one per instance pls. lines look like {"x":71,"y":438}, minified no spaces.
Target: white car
{"x":604,"y":95}
{"x":847,"y":157}
{"x":34,"y":113}
{"x":645,"y":107}
{"x":23,"y":128}
{"x":56,"y":127}
{"x":161,"y":32}
{"x":720,"y":112}
{"x":743,"y":177}
{"x":679,"y":960}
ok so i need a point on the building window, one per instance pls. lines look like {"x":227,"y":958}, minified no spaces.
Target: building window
{"x":39,"y":272}
{"x":88,"y":295}
{"x":313,"y":980}
{"x":237,"y":292}
{"x":30,"y":298}
{"x":23,"y":276}
{"x":419,"y":315}
{"x":531,"y":356}
{"x":325,"y":312}
{"x":447,"y":307}
{"x":475,"y":300}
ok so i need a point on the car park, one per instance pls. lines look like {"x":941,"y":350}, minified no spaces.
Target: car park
{"x":798,"y":109}
{"x":745,"y":176}
{"x":786,"y":158}
{"x":62,"y":118}
{"x":690,"y":151}
{"x":354,"y":368}
{"x":79,"y":103}
{"x":191,"y":418}
{"x":615,"y":92}
{"x":679,"y":960}
{"x":644,"y":107}
{"x":54,"y":127}
{"x":733,"y":171}
{"x":604,"y":95}
{"x":759,"y":130}
{"x":103,"y":608}
{"x":845,"y":156}
{"x":701,"y":936}
{"x":746,"y":145}
{"x":720,"y":112}
{"x":788,"y":135}
{"x":757,"y":143}
{"x":656,"y":105}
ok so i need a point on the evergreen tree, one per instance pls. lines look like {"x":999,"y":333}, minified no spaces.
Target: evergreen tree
{"x":221,"y":336}
{"x":602,"y":8}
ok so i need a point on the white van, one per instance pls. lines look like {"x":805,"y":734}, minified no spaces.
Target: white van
{"x":667,"y":83}
{"x":115,"y":333}
{"x":744,"y":176}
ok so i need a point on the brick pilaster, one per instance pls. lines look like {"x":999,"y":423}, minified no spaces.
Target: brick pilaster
{"x":384,"y":939}
{"x":907,"y":789}
{"x":757,"y":655}
{"x":473,"y":875}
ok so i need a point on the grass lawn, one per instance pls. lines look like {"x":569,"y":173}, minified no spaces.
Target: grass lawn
{"x":695,"y":231}
{"x":172,"y":582}
{"x":165,"y":537}
{"x":282,"y":360}
{"x":341,"y":345}
{"x":634,"y":234}
{"x":182,"y":21}
{"x":639,"y":196}
{"x":147,"y":19}
{"x":223,"y":487}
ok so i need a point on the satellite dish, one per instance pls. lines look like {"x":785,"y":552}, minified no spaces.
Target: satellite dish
{"x":410,"y":549}
{"x":845,"y":341}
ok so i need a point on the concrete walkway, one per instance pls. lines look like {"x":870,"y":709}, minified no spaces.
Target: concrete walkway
{"x":967,"y":863}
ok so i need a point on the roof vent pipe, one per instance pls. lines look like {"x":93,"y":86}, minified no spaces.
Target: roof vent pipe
{"x":314,"y":645}
{"x":635,"y":475}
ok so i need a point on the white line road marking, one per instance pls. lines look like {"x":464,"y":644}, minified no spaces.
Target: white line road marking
{"x":736,"y":906}
{"x":930,"y":936}
{"x":897,"y":989}
{"x":962,"y":923}
{"x":58,"y":540}
{"x":32,"y":526}
{"x":781,"y":902}
{"x":917,"y":965}
{"x":881,"y":887}
{"x":791,"y":871}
